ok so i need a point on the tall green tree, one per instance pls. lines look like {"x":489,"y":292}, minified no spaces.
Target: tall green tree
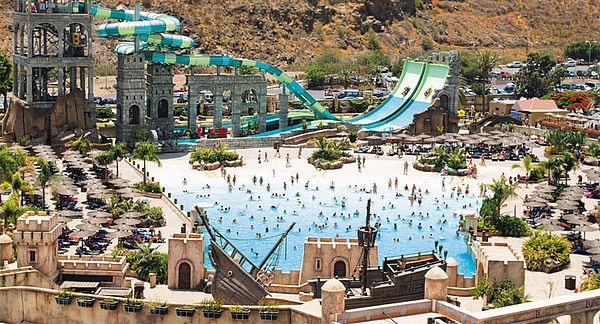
{"x":104,"y":159}
{"x":43,"y":176}
{"x":10,"y":211}
{"x":526,"y":166}
{"x":118,"y":152}
{"x":5,"y":76}
{"x":539,"y":76}
{"x":146,"y":151}
{"x":569,"y":163}
{"x":501,"y":191}
{"x":81,"y":144}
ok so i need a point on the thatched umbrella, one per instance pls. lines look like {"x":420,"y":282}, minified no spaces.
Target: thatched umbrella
{"x":595,"y":250}
{"x":119,"y":181}
{"x":64,"y":191}
{"x":87,"y":227}
{"x":538,"y":198}
{"x":563,"y":205}
{"x":129,"y":195}
{"x":82,"y":234}
{"x":591,"y":243}
{"x":124,"y":190}
{"x":97,"y":220}
{"x":128,"y":221}
{"x":69,"y":213}
{"x":123,"y":227}
{"x":133,"y":214}
{"x":535,"y":204}
{"x":550,"y":225}
{"x":118,"y":234}
{"x":98,"y":213}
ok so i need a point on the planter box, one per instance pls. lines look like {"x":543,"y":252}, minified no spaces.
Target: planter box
{"x":63,"y":301}
{"x":238,"y":316}
{"x":159,"y":310}
{"x":132,"y":308}
{"x":269,"y":316}
{"x":212,"y":313}
{"x":109,"y":306}
{"x":86,"y":302}
{"x":184,"y":312}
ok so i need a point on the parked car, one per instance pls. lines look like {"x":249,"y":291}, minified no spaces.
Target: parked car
{"x":509,"y":88}
{"x":349,"y":94}
{"x":380,"y":92}
{"x":580,"y":87}
{"x":494,"y":74}
{"x":506,"y":74}
{"x":570,"y":63}
{"x":567,"y":86}
{"x":514,"y":64}
{"x":581,"y":73}
{"x":571,"y":73}
{"x":98,"y":100}
{"x":593,"y":85}
{"x":109,"y":101}
{"x":391,"y":78}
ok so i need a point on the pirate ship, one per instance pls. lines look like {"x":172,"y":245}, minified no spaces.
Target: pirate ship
{"x":398,"y":279}
{"x":237,"y":280}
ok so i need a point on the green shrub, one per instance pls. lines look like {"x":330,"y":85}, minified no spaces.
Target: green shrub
{"x":501,"y":295}
{"x":155,"y":213}
{"x":512,"y":226}
{"x":542,"y":246}
{"x":212,"y":304}
{"x":327,"y":155}
{"x":151,"y":187}
{"x":104,"y":112}
{"x":238,"y":309}
{"x":210,"y":156}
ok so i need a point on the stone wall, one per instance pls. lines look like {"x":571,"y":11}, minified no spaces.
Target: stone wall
{"x":432,"y":119}
{"x":26,"y":276}
{"x":239,"y":143}
{"x":37,"y":305}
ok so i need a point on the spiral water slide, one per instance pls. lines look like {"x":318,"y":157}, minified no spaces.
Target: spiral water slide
{"x":154,"y":44}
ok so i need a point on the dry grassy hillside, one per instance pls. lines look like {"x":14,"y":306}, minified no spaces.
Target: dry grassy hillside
{"x":287,"y":32}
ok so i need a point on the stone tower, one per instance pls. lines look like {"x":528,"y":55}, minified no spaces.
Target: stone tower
{"x":449,"y":94}
{"x":37,"y":242}
{"x":131,"y":96}
{"x":52,"y":54}
{"x":159,"y":94}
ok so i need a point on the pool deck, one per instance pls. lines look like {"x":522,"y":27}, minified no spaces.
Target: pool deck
{"x":379,"y":170}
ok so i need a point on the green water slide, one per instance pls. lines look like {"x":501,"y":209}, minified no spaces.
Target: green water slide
{"x":155,"y":41}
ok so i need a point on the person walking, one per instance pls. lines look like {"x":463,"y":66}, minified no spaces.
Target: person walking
{"x":405,"y":167}
{"x":300,"y":152}
{"x":287,"y":161}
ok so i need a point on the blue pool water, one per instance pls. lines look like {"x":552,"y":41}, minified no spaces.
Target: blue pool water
{"x":299,"y":206}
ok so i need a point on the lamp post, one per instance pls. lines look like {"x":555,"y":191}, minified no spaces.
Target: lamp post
{"x":590,"y":50}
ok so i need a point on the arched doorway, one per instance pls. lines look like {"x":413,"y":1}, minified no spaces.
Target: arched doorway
{"x":134,"y":115}
{"x":163,"y":108}
{"x":444,"y":101}
{"x":184,"y":276}
{"x":339,"y":269}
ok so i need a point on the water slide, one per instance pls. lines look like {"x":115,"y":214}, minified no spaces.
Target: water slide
{"x":151,"y":28}
{"x":411,"y":77}
{"x":434,"y":78}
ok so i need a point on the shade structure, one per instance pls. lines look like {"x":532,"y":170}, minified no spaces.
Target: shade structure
{"x":91,"y":181}
{"x":585,"y":228}
{"x":129,"y":195}
{"x":82,"y":233}
{"x":87,"y":227}
{"x":62,"y":219}
{"x":123,"y":227}
{"x":534,"y":204}
{"x":564,"y":206}
{"x":133,"y":214}
{"x":594,"y":258}
{"x":550,"y":225}
{"x":128,"y":221}
{"x":97,"y":220}
{"x":98,"y":196}
{"x":119,"y":181}
{"x":595,"y":250}
{"x":98,"y":213}
{"x":538,"y":199}
{"x":64,"y":191}
{"x":69,"y":213}
{"x":591,"y":243}
{"x":546,"y":186}
{"x":118,"y":234}
{"x":125,"y":190}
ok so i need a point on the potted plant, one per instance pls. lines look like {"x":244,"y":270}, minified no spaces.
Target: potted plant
{"x":109,"y":304}
{"x":239,"y":313}
{"x":132,"y":305}
{"x":268,"y":312}
{"x":185,"y":310}
{"x":86,"y":302}
{"x":159,"y":308}
{"x":64,"y":297}
{"x":212,"y":308}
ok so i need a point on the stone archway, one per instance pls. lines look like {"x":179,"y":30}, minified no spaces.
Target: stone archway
{"x":445,"y":101}
{"x":339,"y":269}
{"x":134,"y":115}
{"x":163,"y":108}
{"x":184,"y":272}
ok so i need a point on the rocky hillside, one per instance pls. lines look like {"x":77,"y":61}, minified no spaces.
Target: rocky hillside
{"x":288,"y":32}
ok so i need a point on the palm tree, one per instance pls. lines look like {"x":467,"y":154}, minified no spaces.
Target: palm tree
{"x":553,"y":168}
{"x":44,"y":176}
{"x":321,"y":143}
{"x":594,"y":97}
{"x":10,"y":211}
{"x":526,"y":166}
{"x":146,"y":151}
{"x":345,"y":74}
{"x":114,"y":206}
{"x":481,"y":89}
{"x":118,"y":153}
{"x":486,"y":61}
{"x":569,"y":162}
{"x":8,"y":164}
{"x":501,"y":191}
{"x":576,"y":140}
{"x":104,"y":159}
{"x":81,"y":144}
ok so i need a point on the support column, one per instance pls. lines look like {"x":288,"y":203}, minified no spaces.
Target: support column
{"x":61,"y":81}
{"x":262,"y":113}
{"x":236,"y":111}
{"x":90,"y":95}
{"x":192,"y":108}
{"x":30,"y":85}
{"x":218,"y":110}
{"x":583,"y":317}
{"x":283,"y":110}
{"x":15,"y":80}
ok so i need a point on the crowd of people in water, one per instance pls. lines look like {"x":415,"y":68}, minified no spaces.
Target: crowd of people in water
{"x":288,"y":199}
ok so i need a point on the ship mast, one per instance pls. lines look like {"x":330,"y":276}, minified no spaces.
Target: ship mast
{"x":366,"y":239}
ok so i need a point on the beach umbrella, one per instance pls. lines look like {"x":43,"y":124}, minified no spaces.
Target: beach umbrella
{"x":123,"y":227}
{"x":99,"y":213}
{"x":128,"y":221}
{"x":64,"y":191}
{"x":125,"y":190}
{"x":585,"y":228}
{"x":133,"y":214}
{"x":119,"y":181}
{"x":594,"y":258}
{"x":62,"y":219}
{"x":87,"y":227}
{"x":118,"y":234}
{"x":82,"y":234}
{"x":538,"y":198}
{"x":129,"y":195}
{"x":546,"y":186}
{"x":591,"y":243}
{"x":97,"y":196}
{"x":534,"y":204}
{"x":97,"y":220}
{"x":565,"y":206}
{"x":595,"y":250}
{"x":550,"y":225}
{"x":69,"y":213}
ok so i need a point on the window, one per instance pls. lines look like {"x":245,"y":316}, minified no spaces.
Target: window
{"x":134,"y":115}
{"x":318,"y":266}
{"x":163,"y":108}
{"x":445,"y":101}
{"x":31,"y":256}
